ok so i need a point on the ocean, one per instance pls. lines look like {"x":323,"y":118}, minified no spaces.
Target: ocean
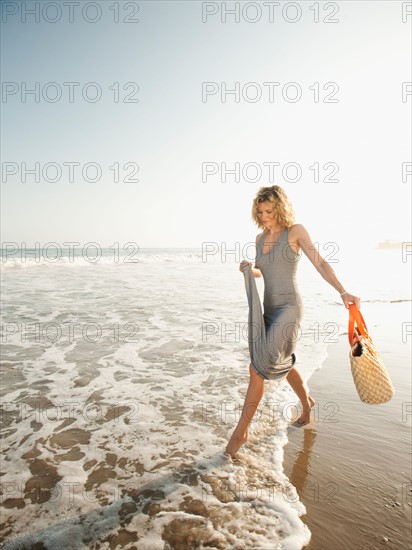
{"x":122,"y":381}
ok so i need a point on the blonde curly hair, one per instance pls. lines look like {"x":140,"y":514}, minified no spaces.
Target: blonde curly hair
{"x":284,"y":213}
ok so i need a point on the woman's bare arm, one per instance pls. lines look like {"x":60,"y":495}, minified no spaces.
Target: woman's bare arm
{"x":255,"y":270}
{"x":299,"y":234}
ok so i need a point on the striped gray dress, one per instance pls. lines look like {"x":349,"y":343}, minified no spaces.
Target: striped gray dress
{"x":272,"y":336}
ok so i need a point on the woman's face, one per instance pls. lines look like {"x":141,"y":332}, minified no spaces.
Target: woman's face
{"x":266,"y":214}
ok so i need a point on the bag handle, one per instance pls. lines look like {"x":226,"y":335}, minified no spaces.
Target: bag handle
{"x":356,"y":316}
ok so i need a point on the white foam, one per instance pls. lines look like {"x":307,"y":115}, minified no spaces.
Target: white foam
{"x":184,"y":388}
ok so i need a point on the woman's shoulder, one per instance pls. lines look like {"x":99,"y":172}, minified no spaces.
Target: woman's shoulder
{"x":259,"y":236}
{"x":296,"y":228}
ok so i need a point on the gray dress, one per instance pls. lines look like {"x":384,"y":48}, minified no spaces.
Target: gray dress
{"x":272,"y":336}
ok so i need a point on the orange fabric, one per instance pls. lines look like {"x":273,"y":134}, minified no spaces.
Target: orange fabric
{"x":356,"y":316}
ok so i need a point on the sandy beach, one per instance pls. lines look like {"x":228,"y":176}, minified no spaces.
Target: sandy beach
{"x":352,"y":465}
{"x":133,"y":430}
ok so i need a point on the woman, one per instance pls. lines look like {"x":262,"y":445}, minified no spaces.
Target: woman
{"x":277,"y":255}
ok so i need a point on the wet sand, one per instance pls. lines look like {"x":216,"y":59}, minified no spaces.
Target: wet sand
{"x":351,"y":465}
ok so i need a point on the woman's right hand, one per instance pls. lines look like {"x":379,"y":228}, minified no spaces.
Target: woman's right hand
{"x":244,"y":264}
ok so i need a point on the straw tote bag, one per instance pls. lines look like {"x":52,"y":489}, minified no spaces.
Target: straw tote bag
{"x":369,"y":374}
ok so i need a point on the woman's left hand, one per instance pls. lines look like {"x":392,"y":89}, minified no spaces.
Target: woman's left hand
{"x":350,"y":298}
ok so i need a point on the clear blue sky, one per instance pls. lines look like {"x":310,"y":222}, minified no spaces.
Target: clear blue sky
{"x":170,"y":132}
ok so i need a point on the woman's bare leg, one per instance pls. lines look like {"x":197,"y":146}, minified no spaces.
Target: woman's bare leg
{"x":253,"y":396}
{"x":301,"y":390}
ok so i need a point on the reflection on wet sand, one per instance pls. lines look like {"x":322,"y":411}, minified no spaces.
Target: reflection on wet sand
{"x":299,"y":474}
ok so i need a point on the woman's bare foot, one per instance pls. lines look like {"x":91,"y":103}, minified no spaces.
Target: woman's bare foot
{"x":305,"y":416}
{"x":235,"y":442}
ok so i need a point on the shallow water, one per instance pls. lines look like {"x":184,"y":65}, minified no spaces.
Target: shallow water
{"x":121,"y":386}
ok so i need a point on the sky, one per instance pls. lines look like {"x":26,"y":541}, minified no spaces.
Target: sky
{"x":336,"y":129}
